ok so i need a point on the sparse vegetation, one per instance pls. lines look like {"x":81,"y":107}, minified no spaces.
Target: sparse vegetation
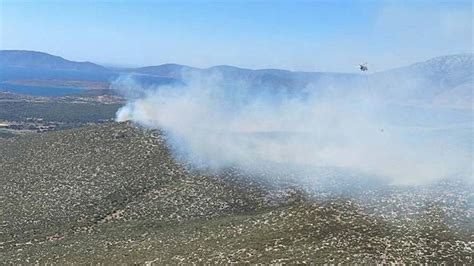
{"x":58,"y":111}
{"x":113,"y":193}
{"x":6,"y":134}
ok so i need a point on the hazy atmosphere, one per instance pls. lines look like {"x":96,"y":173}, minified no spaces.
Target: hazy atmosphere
{"x":306,"y":35}
{"x":250,"y":132}
{"x":217,"y":124}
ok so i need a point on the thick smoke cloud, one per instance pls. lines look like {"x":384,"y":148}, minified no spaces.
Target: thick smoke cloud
{"x":217,"y":123}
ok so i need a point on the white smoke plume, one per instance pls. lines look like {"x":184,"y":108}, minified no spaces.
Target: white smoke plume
{"x":215,"y":123}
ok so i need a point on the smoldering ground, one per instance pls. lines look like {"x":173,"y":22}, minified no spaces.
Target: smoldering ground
{"x":216,"y":123}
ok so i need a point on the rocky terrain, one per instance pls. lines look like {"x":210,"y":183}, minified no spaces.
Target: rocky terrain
{"x":112,"y":193}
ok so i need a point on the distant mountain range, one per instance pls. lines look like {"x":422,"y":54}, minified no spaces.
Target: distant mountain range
{"x":33,"y":59}
{"x":440,"y":77}
{"x":445,"y":80}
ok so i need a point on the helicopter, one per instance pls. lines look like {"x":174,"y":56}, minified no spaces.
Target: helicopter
{"x":363,"y":67}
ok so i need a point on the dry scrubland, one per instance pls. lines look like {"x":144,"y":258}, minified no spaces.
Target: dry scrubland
{"x":113,"y":193}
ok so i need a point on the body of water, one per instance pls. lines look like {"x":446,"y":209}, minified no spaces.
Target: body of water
{"x":39,"y":91}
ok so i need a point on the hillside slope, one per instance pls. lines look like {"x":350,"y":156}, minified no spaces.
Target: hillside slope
{"x":113,"y":193}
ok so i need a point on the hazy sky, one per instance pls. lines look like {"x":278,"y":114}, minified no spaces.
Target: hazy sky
{"x":296,"y":35}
